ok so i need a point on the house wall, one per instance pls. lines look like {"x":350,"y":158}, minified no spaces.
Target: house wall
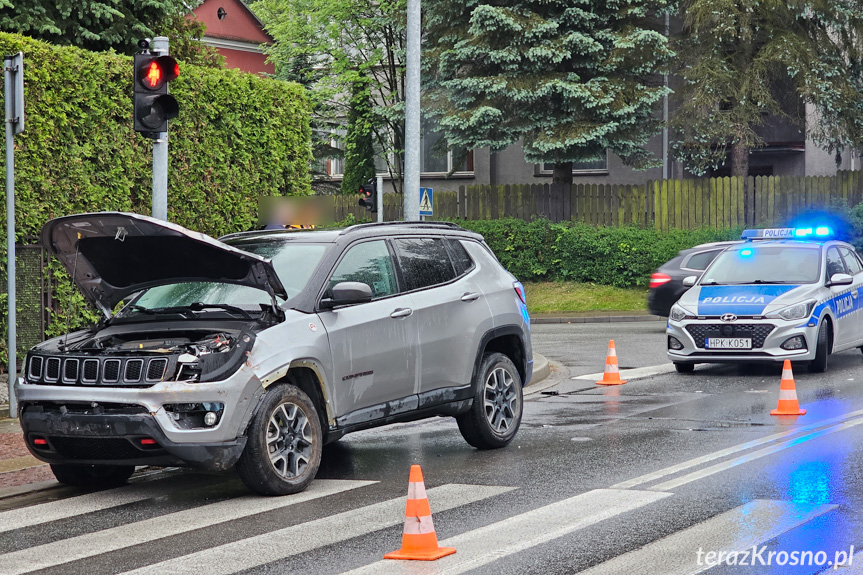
{"x":253,"y":62}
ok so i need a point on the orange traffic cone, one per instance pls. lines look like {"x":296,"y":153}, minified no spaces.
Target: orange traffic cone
{"x":788,"y":404}
{"x":419,"y":540}
{"x":612,"y":373}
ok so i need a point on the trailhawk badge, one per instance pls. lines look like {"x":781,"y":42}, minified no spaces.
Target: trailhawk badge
{"x":728,"y":317}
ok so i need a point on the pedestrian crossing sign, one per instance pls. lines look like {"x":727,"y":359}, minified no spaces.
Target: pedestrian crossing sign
{"x":426,"y":202}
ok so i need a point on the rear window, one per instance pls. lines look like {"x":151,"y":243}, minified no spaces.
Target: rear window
{"x":701,"y":260}
{"x":460,"y":258}
{"x":424,"y":261}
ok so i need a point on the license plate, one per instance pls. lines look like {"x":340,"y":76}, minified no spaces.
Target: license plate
{"x":728,"y":343}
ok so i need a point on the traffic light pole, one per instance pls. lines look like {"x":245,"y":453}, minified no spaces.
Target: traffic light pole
{"x":13,"y":82}
{"x":380,"y":199}
{"x":159,"y":45}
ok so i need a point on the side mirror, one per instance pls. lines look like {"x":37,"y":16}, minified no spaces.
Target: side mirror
{"x":689,"y":281}
{"x":347,"y":293}
{"x":840,"y":280}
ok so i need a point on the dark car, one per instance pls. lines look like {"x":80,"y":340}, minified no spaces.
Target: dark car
{"x":666,"y":283}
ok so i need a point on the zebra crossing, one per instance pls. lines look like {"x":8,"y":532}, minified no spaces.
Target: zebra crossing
{"x":355,"y":517}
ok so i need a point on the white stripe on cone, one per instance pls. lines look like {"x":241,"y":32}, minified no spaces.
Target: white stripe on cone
{"x":418,"y":525}
{"x":416,"y":491}
{"x":787,"y":394}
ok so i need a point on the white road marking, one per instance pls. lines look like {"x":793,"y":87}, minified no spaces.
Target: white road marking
{"x":659,"y":474}
{"x":90,"y":544}
{"x":74,"y":506}
{"x":630,"y":374}
{"x":792,"y":442}
{"x":735,"y":530}
{"x":269,"y":547}
{"x":492,"y":542}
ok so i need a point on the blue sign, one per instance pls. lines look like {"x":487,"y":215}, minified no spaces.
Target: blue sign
{"x":426,"y":202}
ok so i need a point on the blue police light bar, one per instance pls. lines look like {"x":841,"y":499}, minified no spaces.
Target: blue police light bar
{"x":782,"y":233}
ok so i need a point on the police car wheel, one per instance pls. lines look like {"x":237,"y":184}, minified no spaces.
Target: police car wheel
{"x":822,"y":350}
{"x":684,"y":367}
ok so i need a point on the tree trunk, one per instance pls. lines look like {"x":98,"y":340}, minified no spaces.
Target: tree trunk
{"x":739,"y":160}
{"x":562,"y":174}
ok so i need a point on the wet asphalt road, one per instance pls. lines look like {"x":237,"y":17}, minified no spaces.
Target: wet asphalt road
{"x":583,"y":452}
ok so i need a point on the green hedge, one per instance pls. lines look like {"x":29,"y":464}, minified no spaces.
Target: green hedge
{"x":237,"y":136}
{"x":617,"y":256}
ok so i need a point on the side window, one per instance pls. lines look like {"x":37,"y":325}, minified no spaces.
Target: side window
{"x":701,"y":260}
{"x":834,"y":263}
{"x":424,"y":262}
{"x":851,"y":261}
{"x":369,"y":263}
{"x":460,"y":258}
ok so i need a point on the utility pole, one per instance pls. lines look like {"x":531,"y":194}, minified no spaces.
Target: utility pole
{"x":13,"y":83}
{"x":665,"y":163}
{"x":412,"y":113}
{"x":380,"y":197}
{"x":160,"y":151}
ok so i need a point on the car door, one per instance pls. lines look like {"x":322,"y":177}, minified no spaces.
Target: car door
{"x":855,"y":269}
{"x":843,"y":302}
{"x":450,"y":309}
{"x":373,"y":344}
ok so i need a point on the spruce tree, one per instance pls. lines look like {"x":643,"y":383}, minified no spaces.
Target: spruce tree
{"x":748,"y":62}
{"x":569,"y":78}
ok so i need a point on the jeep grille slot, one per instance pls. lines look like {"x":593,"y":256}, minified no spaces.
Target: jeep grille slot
{"x":36,"y":367}
{"x":90,"y":373}
{"x":52,"y":369}
{"x":156,"y":369}
{"x":134,"y":367}
{"x":111,"y":371}
{"x":70,"y":370}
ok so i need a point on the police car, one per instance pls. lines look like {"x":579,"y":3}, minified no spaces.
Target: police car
{"x":787,"y":293}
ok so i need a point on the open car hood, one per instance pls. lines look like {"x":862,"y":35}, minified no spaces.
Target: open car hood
{"x":111,"y":255}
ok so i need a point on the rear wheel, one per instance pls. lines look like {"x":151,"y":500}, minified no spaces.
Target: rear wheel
{"x":682,"y":367}
{"x":283,"y":450}
{"x":495,"y":415}
{"x":822,"y":350}
{"x":92,"y":476}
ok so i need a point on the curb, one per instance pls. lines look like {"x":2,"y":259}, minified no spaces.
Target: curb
{"x":595,"y":319}
{"x":541,"y":369}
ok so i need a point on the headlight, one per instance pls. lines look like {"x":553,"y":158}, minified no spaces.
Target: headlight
{"x":794,"y":312}
{"x":679,"y":313}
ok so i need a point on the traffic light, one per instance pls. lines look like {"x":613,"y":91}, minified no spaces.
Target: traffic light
{"x":153,"y":105}
{"x":369,"y":196}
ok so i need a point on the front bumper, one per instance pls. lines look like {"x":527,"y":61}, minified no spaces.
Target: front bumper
{"x":770,"y":350}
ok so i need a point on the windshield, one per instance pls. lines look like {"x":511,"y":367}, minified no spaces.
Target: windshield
{"x":753,"y":264}
{"x":294,"y":263}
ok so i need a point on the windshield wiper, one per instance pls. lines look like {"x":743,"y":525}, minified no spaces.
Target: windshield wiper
{"x":200,"y":306}
{"x":759,"y":281}
{"x":157,"y":310}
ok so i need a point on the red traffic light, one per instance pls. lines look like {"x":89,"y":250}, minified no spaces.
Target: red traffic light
{"x":157,"y":72}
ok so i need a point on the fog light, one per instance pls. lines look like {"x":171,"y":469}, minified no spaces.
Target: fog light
{"x":796,"y":342}
{"x":210,"y":419}
{"x":674,"y":343}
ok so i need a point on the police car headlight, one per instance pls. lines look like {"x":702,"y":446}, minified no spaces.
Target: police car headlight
{"x":679,"y":313}
{"x":793,"y":312}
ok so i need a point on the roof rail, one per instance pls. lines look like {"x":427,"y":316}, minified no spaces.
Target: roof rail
{"x":358,"y":227}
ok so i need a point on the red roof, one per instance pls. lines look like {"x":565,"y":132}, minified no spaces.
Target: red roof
{"x":231,"y":20}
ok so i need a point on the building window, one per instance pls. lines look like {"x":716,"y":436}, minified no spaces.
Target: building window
{"x":435,"y":158}
{"x":597,"y":166}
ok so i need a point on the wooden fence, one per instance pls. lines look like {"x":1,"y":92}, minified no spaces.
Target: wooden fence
{"x":665,"y":204}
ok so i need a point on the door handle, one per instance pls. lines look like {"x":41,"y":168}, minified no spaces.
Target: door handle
{"x":470,"y":296}
{"x":401,"y":312}
{"x":854,"y":293}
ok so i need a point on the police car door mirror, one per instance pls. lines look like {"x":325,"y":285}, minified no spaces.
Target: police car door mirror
{"x":348,"y":293}
{"x":841,"y":280}
{"x":689,"y":281}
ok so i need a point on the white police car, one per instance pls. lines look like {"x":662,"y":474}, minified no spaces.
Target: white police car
{"x":783,"y":294}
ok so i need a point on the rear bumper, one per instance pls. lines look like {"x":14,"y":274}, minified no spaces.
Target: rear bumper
{"x":116,"y":440}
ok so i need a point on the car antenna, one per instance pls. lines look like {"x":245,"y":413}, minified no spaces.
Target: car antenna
{"x":69,"y":308}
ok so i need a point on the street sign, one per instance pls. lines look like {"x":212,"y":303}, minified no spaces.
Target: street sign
{"x":426,"y":202}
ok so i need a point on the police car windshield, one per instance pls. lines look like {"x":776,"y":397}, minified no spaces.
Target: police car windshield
{"x":753,"y":264}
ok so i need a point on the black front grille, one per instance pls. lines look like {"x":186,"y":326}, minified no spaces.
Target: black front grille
{"x":111,"y":372}
{"x":757,"y":331}
{"x":52,"y":369}
{"x":134,"y":367}
{"x":96,"y":448}
{"x":156,"y":369}
{"x":90,"y":372}
{"x":36,"y":367}
{"x":70,"y":370}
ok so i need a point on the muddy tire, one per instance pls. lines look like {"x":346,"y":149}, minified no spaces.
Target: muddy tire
{"x":92,"y":476}
{"x":822,"y":350}
{"x":283,"y":449}
{"x":495,"y":415}
{"x":684,"y":367}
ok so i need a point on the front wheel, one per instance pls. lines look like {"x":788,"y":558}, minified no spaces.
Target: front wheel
{"x":495,"y":415}
{"x":822,"y":350}
{"x":682,"y":367}
{"x":92,"y":476}
{"x":283,"y":449}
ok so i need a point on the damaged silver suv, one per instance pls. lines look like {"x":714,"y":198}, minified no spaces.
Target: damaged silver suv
{"x":258,"y":349}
